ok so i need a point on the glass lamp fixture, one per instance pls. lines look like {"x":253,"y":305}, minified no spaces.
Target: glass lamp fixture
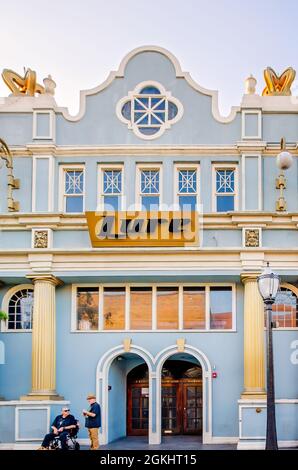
{"x":268,"y":284}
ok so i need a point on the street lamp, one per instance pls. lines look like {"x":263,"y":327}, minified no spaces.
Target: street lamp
{"x":268,"y":284}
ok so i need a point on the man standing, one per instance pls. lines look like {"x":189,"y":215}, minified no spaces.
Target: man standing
{"x":93,"y":421}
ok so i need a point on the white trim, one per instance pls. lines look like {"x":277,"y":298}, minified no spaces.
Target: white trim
{"x":17,"y":410}
{"x":52,"y":126}
{"x":251,"y":228}
{"x":62,"y":170}
{"x":154,"y":286}
{"x":51,"y":171}
{"x":136,"y":94}
{"x":259,"y":180}
{"x":243,"y":124}
{"x":33,"y":402}
{"x":225,"y":166}
{"x":186,"y":166}
{"x":4,"y":307}
{"x":102,"y":381}
{"x":100,"y":194}
{"x":160,"y":359}
{"x":147,"y":166}
{"x":179,"y":74}
{"x":43,"y":229}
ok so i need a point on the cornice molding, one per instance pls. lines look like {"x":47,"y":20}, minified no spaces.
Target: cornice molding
{"x":260,"y":148}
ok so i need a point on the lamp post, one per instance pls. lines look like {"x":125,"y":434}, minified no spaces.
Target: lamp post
{"x":268,"y":284}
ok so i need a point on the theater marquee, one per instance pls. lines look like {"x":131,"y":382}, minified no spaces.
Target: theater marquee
{"x":141,"y":228}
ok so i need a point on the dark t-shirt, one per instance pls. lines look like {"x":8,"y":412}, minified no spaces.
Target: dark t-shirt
{"x":60,"y":422}
{"x":96,"y":421}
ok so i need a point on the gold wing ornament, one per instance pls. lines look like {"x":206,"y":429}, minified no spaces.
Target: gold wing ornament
{"x":278,"y":85}
{"x":22,"y":85}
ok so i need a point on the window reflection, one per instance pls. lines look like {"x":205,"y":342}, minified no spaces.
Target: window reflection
{"x":87,"y":308}
{"x":284,"y":310}
{"x":167,"y":308}
{"x":221,"y":308}
{"x":114,"y":308}
{"x":194,"y":307}
{"x":141,"y":308}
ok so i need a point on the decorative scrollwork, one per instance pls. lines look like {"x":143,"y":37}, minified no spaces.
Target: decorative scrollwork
{"x":278,"y":85}
{"x":26,"y":85}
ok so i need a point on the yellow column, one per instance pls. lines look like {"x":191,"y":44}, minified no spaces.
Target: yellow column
{"x":254,"y":360}
{"x":44,"y":339}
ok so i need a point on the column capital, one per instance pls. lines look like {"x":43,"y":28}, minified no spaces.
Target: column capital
{"x":249,"y":276}
{"x":45,"y":278}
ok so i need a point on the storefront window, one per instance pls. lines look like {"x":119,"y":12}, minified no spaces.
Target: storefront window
{"x":186,"y":307}
{"x":194,"y":308}
{"x":141,"y":308}
{"x":284,"y":310}
{"x":167,"y":308}
{"x":87,"y":308}
{"x":220,"y":308}
{"x":114,"y":308}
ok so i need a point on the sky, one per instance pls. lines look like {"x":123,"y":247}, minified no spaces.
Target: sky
{"x":78,"y":42}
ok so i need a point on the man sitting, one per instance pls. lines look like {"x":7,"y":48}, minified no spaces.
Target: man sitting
{"x":61,"y":426}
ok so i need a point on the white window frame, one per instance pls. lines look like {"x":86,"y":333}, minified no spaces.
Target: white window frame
{"x":73,"y":325}
{"x":51,"y":185}
{"x":62,"y":196}
{"x":136,"y":94}
{"x":52,"y":127}
{"x":258,"y":113}
{"x":225,"y":166}
{"x":100,"y":194}
{"x":259,"y":180}
{"x":5,"y":304}
{"x":147,"y":166}
{"x":186,"y":166}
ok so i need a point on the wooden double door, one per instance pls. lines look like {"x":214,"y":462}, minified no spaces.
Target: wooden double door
{"x":181,"y":407}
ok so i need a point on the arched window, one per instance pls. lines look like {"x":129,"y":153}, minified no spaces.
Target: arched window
{"x":19,"y":307}
{"x":285,"y":308}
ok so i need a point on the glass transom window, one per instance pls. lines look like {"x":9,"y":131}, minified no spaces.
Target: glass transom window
{"x":149,"y":110}
{"x":150,"y":181}
{"x":112,"y":181}
{"x":187,"y":181}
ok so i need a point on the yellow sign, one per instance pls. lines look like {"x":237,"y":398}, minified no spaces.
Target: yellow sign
{"x":141,"y":228}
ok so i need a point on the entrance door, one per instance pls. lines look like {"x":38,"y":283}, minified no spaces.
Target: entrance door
{"x":182,"y":407}
{"x":181,"y":399}
{"x":138,"y":409}
{"x":192,"y":408}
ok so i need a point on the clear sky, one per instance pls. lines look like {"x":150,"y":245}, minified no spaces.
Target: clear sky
{"x":220,"y":42}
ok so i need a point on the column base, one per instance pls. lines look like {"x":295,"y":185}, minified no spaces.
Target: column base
{"x":253,"y":395}
{"x":33,"y":396}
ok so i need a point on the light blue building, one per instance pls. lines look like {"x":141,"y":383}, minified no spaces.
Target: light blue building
{"x":170,"y":336}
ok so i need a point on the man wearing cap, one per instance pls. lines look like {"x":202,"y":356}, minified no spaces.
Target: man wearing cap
{"x":93,"y":421}
{"x":60,"y":427}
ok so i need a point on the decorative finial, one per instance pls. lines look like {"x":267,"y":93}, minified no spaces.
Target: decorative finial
{"x":278,"y":85}
{"x":250,"y":85}
{"x":26,"y":85}
{"x":49,"y":85}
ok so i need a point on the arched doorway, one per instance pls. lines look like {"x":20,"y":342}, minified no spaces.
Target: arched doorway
{"x":181,"y":398}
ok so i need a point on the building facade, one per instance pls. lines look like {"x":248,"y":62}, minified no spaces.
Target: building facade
{"x":170,"y":335}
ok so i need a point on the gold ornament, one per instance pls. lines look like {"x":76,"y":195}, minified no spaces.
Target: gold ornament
{"x":22,"y":85}
{"x":278,"y":85}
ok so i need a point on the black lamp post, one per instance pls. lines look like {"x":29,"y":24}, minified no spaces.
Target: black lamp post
{"x":268,"y":284}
